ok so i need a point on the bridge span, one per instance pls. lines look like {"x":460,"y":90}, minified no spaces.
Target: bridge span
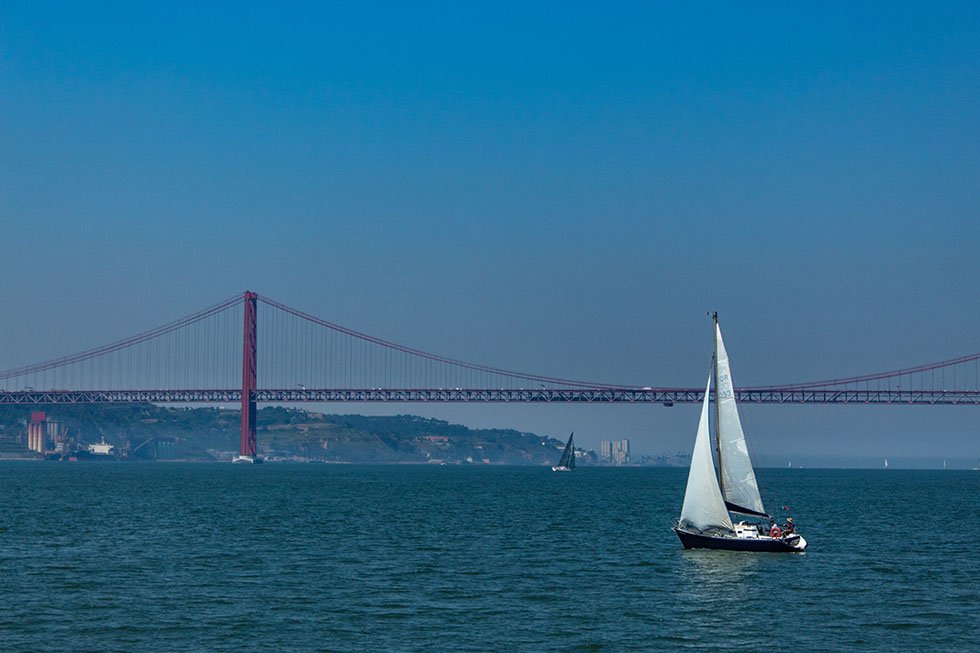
{"x":606,"y":395}
{"x":216,"y":356}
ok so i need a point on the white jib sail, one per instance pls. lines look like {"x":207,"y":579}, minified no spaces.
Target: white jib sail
{"x":703,"y":506}
{"x":737,"y":475}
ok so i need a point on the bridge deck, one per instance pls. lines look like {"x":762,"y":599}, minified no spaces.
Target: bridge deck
{"x":663,"y":396}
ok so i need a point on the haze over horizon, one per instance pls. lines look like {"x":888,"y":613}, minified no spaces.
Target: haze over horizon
{"x":564,"y":190}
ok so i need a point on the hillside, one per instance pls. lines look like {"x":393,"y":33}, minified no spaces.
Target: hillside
{"x":149,"y":432}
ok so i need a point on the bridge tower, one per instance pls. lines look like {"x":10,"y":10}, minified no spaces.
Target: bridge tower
{"x":249,"y":382}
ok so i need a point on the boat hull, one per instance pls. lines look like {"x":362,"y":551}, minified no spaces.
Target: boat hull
{"x":793,"y":544}
{"x":561,"y":468}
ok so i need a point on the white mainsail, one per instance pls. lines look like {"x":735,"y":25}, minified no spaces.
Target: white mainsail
{"x":738,"y":478}
{"x":704,"y":507}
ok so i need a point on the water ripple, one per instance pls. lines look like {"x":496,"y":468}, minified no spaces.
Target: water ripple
{"x":119,"y":557}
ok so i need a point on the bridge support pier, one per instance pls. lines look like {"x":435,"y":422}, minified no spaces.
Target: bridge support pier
{"x":247,"y":449}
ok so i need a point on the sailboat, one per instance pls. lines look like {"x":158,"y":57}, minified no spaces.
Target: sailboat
{"x":567,"y":462}
{"x":709,"y":500}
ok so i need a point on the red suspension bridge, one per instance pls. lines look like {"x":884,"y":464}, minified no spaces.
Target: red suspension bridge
{"x":196,"y":360}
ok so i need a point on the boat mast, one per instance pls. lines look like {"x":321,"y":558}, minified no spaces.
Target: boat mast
{"x":714,"y":368}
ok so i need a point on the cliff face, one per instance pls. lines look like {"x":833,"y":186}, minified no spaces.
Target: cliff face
{"x":289,"y":434}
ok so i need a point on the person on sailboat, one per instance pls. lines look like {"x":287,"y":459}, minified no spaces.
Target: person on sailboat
{"x":789,"y":526}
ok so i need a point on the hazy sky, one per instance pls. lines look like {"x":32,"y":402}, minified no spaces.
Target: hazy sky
{"x":563,"y":188}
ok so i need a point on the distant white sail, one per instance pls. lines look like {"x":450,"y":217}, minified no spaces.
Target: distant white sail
{"x":704,"y":507}
{"x":738,"y":478}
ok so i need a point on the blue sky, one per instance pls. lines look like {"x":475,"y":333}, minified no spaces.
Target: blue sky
{"x":565,"y":188}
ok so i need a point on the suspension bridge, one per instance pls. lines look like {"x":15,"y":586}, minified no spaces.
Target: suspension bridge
{"x":216,"y":356}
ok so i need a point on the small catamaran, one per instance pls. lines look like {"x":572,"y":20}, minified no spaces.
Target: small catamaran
{"x":710,"y":500}
{"x":567,"y":462}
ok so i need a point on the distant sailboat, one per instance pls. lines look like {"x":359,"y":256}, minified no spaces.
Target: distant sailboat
{"x":705,"y":521}
{"x":567,"y":462}
{"x":886,"y":463}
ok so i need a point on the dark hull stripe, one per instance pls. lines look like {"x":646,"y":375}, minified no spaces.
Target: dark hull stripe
{"x":696,"y":541}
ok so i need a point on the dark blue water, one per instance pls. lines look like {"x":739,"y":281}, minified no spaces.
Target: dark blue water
{"x":174,"y":557}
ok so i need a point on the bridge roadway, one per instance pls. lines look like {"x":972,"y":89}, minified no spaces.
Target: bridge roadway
{"x":608,"y":395}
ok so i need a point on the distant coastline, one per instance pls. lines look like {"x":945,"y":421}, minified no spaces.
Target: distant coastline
{"x":147,"y":432}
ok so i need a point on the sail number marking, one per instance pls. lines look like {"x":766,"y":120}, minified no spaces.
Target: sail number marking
{"x":725,"y":387}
